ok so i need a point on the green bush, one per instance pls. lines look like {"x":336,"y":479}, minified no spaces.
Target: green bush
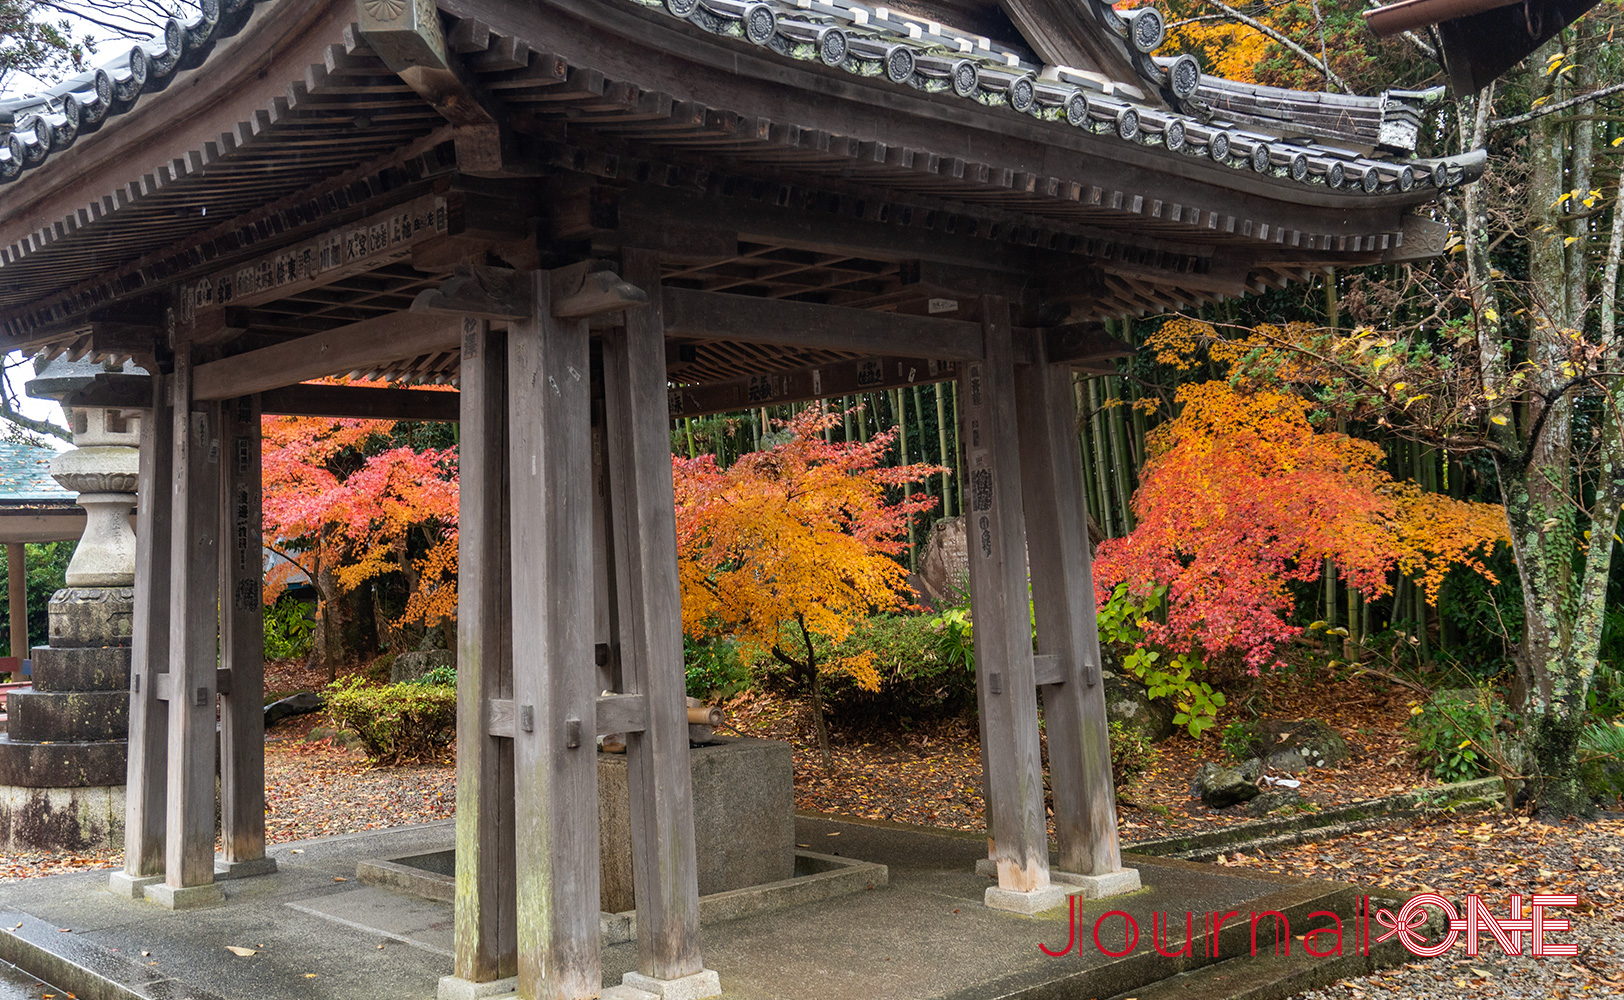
{"x":396,"y":723}
{"x":714,"y":668}
{"x":919,"y":677}
{"x":1452,"y":730}
{"x":437,"y":675}
{"x":1239,"y":738}
{"x":288,"y":632}
{"x":1601,"y":759}
{"x":1131,"y":755}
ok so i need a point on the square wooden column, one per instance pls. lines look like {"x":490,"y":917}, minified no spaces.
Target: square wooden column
{"x":1063,"y":604}
{"x":554,"y":673}
{"x":486,"y":939}
{"x":193,"y":648}
{"x":146,"y":777}
{"x":242,"y":645}
{"x":664,"y":867}
{"x":1005,"y":674}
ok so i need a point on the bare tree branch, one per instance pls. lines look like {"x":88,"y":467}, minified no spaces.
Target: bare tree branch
{"x":1551,"y":109}
{"x":1308,"y":57}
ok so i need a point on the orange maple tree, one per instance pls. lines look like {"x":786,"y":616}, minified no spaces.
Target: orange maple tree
{"x":341,"y":494}
{"x":1241,"y":496}
{"x":793,"y":544}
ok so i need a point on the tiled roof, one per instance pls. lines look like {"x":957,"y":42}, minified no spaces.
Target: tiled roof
{"x":25,"y":473}
{"x":37,"y":126}
{"x":1172,"y":104}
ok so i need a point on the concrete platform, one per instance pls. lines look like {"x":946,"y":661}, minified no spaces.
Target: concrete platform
{"x":320,"y":933}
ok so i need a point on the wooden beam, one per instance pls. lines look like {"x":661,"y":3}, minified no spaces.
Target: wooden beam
{"x":362,"y":402}
{"x":797,"y":385}
{"x":193,"y":631}
{"x":394,"y":337}
{"x":486,"y":936}
{"x":555,"y":755}
{"x":1082,"y":345}
{"x":242,"y":637}
{"x":665,"y":875}
{"x":1056,"y":511}
{"x":17,"y":595}
{"x":1005,"y":673}
{"x":720,"y":316}
{"x":385,"y":237}
{"x":145,"y":784}
{"x":616,"y":713}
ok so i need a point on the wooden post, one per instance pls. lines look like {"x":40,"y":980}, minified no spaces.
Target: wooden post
{"x":555,"y":748}
{"x":17,"y":591}
{"x":664,"y":869}
{"x":1005,"y":673}
{"x":146,"y":787}
{"x":242,"y":643}
{"x":193,"y":646}
{"x":486,"y":940}
{"x":1063,"y":603}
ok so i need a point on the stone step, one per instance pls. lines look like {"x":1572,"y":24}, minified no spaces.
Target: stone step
{"x":1264,"y":977}
{"x":61,"y":765}
{"x":82,"y":668}
{"x":68,"y":716}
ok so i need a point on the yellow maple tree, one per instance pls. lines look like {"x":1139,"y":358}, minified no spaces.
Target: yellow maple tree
{"x":795,"y":544}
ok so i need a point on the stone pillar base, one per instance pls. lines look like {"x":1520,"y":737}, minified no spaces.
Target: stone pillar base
{"x":188,"y":897}
{"x":702,"y":984}
{"x":1099,"y":886}
{"x":1028,"y":903}
{"x":455,"y":988}
{"x":50,"y":819}
{"x":224,"y":869}
{"x":131,"y":886}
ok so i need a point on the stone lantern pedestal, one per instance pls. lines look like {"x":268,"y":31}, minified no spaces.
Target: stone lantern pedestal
{"x":63,"y":760}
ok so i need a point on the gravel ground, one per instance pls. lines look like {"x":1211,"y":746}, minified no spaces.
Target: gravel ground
{"x":1492,"y":858}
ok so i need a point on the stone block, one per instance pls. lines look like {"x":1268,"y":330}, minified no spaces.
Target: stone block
{"x":744,"y":818}
{"x":68,"y":716}
{"x":453,"y":988}
{"x":702,"y":984}
{"x":62,"y":765}
{"x":81,"y":668}
{"x":1098,"y":886}
{"x":190,"y":897}
{"x":131,"y":886}
{"x":92,"y":616}
{"x":72,"y":819}
{"x":1035,"y":901}
{"x":224,"y":870}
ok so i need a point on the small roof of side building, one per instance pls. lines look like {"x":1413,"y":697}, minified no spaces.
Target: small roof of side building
{"x":33,"y":506}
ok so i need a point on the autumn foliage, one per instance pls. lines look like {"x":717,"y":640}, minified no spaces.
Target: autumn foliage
{"x":1241,"y":497}
{"x":795,"y":542}
{"x":342,"y":495}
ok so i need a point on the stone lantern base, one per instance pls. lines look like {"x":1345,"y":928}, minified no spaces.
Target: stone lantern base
{"x":62,"y":761}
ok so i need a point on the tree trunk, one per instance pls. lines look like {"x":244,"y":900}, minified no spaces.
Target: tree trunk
{"x":819,"y":723}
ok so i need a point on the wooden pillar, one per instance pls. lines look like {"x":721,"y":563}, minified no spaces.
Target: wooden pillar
{"x":17,"y":591}
{"x":664,"y":870}
{"x":193,"y":642}
{"x":1005,"y":673}
{"x":486,"y":940}
{"x":1063,"y":604}
{"x":554,"y":676}
{"x":242,"y":643}
{"x":149,"y":653}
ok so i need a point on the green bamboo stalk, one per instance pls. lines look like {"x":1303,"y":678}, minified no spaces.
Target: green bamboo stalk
{"x":1108,"y":519}
{"x":845,"y":407}
{"x":1117,"y":421}
{"x":1085,"y":443}
{"x":941,"y":449}
{"x":958,"y":446}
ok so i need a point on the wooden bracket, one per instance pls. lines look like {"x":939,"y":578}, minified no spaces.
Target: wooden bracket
{"x":163,"y":684}
{"x":1048,"y":668}
{"x":480,"y":292}
{"x":407,"y":36}
{"x":591,"y":288}
{"x":616,"y":713}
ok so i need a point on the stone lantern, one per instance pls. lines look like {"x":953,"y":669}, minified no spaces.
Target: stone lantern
{"x":63,"y":760}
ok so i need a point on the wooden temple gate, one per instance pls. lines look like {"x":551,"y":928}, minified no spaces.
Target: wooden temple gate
{"x":596,"y":215}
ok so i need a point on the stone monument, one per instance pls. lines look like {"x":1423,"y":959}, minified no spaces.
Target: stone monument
{"x":62,"y":763}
